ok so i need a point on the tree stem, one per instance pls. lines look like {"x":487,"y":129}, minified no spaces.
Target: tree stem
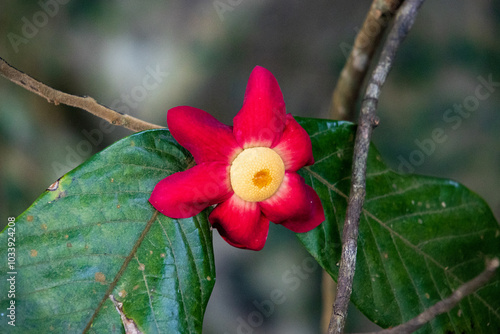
{"x":368,"y":120}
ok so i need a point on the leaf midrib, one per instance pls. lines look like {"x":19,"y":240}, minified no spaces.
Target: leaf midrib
{"x":122,"y":270}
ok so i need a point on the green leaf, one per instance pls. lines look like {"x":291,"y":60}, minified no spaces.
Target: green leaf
{"x":96,"y":234}
{"x":419,"y":237}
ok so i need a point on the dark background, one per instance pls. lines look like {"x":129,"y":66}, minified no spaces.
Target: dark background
{"x":106,"y":49}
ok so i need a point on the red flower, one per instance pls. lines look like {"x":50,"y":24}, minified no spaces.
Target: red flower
{"x":249,"y":169}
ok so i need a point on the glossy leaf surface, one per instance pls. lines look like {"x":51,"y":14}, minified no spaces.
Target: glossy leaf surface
{"x":95,"y":234}
{"x":419,"y":237}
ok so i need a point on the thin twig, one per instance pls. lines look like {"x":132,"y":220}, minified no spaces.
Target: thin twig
{"x":351,"y":78}
{"x":346,"y":93}
{"x":447,"y":304}
{"x":86,"y":103}
{"x":368,"y":120}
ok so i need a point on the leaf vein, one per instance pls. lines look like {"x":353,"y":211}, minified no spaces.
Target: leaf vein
{"x":392,"y":290}
{"x":192,"y":258}
{"x":454,"y":236}
{"x":149,"y":294}
{"x":422,"y":253}
{"x":181,"y":289}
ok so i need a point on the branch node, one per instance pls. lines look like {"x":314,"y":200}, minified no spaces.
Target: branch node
{"x":493,"y":264}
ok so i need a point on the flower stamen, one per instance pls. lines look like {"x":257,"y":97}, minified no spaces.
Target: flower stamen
{"x":257,"y":173}
{"x":262,"y":178}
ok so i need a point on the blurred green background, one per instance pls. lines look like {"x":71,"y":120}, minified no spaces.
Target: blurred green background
{"x":202,"y":53}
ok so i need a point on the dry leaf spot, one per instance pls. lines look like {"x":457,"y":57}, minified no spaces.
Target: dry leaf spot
{"x":141,"y":266}
{"x":135,"y":287}
{"x":162,"y":254}
{"x":128,"y":324}
{"x":29,"y":218}
{"x":44,"y":226}
{"x":62,"y":194}
{"x":100,"y":277}
{"x":122,"y":293}
{"x":69,"y":245}
{"x":53,"y":186}
{"x":66,"y":236}
{"x":118,"y":206}
{"x":34,"y":253}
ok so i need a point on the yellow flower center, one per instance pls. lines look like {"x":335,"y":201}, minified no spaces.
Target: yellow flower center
{"x":256,"y":173}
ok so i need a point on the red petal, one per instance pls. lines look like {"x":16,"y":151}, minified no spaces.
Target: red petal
{"x":240,"y":223}
{"x":295,"y":205}
{"x":295,"y":146}
{"x":261,"y":120}
{"x":185,"y":194}
{"x":202,"y":134}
